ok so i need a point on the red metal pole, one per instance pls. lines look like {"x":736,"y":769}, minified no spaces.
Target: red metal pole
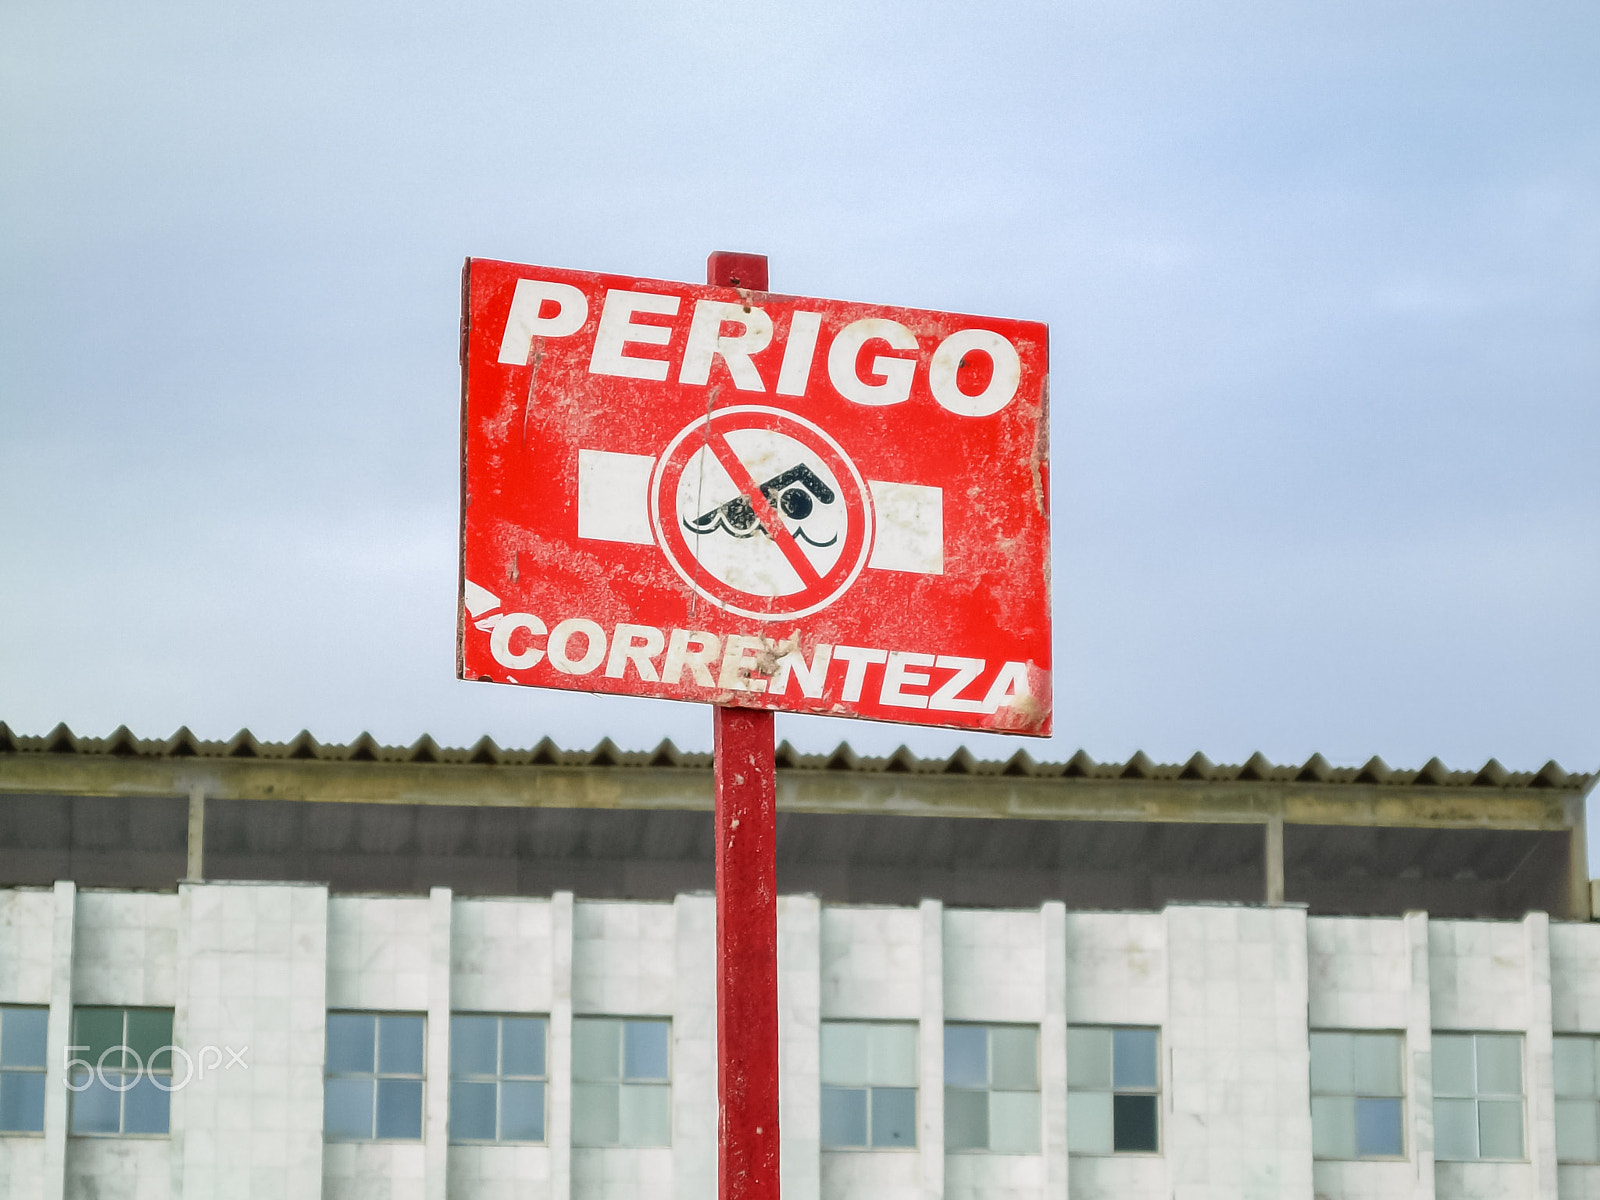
{"x":747,"y":911}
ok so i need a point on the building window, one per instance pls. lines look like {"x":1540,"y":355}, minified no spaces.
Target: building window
{"x":497,"y":1078}
{"x":373,"y":1085}
{"x":991,"y":1088}
{"x":1477,"y":1096}
{"x":1113,"y":1091}
{"x":621,"y":1082}
{"x":1356,"y":1095}
{"x":22,"y":1040}
{"x":1577,"y":1100}
{"x":120,"y":1071}
{"x":869,"y":1085}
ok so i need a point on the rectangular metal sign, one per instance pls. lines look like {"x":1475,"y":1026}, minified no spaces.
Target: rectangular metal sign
{"x":711,"y":494}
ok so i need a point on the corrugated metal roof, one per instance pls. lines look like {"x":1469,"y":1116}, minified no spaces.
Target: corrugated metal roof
{"x":1316,"y":769}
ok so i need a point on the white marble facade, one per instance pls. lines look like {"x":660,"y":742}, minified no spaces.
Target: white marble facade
{"x":1233,"y":991}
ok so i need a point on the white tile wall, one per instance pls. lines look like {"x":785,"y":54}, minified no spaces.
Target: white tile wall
{"x":125,"y":949}
{"x":993,"y":966}
{"x":624,"y":958}
{"x":1478,"y":974}
{"x":500,"y":1172}
{"x":500,"y":956}
{"x":1233,"y":989}
{"x":26,"y":919}
{"x":378,"y":953}
{"x":118,"y":1169}
{"x":1360,"y":972}
{"x":1575,"y":976}
{"x":1126,"y":1177}
{"x":373,"y":1171}
{"x":994,"y":1176}
{"x":637,"y":1174}
{"x":889,"y":1174}
{"x":1577,"y":1182}
{"x":871,"y":963}
{"x":1116,"y":969}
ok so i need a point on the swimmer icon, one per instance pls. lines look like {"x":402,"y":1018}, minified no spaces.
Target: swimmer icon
{"x":794,"y":493}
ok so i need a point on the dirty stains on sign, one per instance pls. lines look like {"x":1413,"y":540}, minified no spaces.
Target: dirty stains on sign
{"x":709,"y":494}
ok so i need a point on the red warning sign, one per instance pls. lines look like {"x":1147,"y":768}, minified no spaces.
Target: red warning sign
{"x":710,"y":494}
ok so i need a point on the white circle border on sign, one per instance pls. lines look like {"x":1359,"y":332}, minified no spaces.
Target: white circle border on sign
{"x":689,"y":576}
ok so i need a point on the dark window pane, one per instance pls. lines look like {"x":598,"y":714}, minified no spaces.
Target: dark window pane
{"x":1377,"y":1064}
{"x":472,"y":1045}
{"x":644,"y":1050}
{"x":22,"y":1102}
{"x":844,"y":1117}
{"x":347,"y":1108}
{"x":1133,"y":1124}
{"x":100,"y":1030}
{"x":22,"y":1035}
{"x":522,"y":1112}
{"x":1133,"y":1058}
{"x":399,"y":1046}
{"x":894,"y":1116}
{"x":522,"y":1046}
{"x":1014,"y":1057}
{"x":471,"y":1112}
{"x":596,"y":1113}
{"x":399,"y":1108}
{"x":966,"y":1120}
{"x":1499,"y":1064}
{"x":645,"y":1114}
{"x":966,"y":1056}
{"x":1378,"y":1128}
{"x":596,"y":1048}
{"x":1089,"y":1060}
{"x":350,"y":1042}
{"x":145,"y":1108}
{"x":149,"y":1029}
{"x":1453,"y":1073}
{"x":96,"y":1109}
{"x":1500,"y":1129}
{"x":160,"y":1062}
{"x":1332,"y":1064}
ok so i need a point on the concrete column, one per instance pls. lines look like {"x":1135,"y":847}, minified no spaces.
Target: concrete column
{"x":1419,"y":1058}
{"x":1580,"y":904}
{"x":1274,"y":859}
{"x":436,"y":1102}
{"x":799,"y":1044}
{"x":184,"y":1034}
{"x":930,"y":1114}
{"x":1053,"y":1047}
{"x":195,"y":870}
{"x":694,"y":1049}
{"x":1540,"y":1085}
{"x":58,"y":1033}
{"x":558,"y":1105}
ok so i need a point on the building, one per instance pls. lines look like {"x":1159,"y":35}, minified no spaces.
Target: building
{"x":430,"y":973}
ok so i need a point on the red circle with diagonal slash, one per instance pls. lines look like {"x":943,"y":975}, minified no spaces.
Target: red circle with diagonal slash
{"x":711,"y":433}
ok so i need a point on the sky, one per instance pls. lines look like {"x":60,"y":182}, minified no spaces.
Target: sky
{"x":1323,"y":283}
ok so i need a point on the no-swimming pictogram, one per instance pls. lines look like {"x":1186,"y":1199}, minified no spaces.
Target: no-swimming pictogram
{"x":761,"y":512}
